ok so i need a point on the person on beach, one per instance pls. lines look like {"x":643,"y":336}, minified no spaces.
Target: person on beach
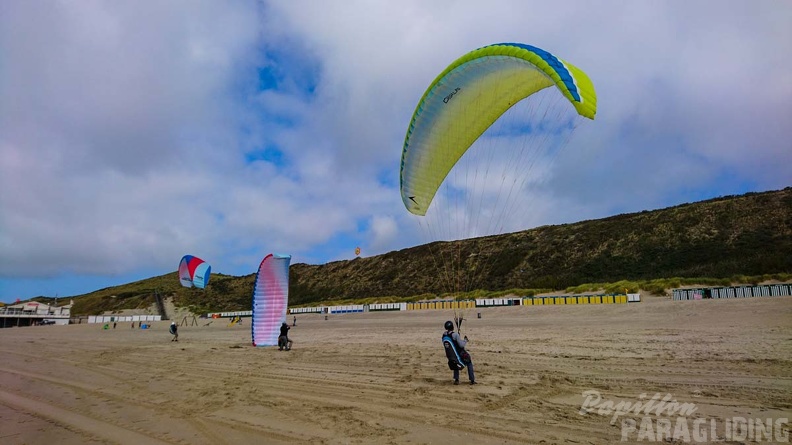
{"x":284,"y":343}
{"x":174,"y":330}
{"x":464,"y":355}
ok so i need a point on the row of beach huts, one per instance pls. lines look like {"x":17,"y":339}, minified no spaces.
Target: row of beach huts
{"x":678,"y":294}
{"x":451,"y":304}
{"x":122,"y":318}
{"x":467,"y":304}
{"x":771,"y":290}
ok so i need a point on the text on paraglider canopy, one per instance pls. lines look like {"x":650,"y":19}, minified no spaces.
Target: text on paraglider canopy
{"x":448,"y":98}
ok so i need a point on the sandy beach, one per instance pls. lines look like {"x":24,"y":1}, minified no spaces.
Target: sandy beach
{"x":382,"y":377}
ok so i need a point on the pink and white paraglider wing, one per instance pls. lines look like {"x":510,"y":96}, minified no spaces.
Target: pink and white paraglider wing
{"x":270,"y":299}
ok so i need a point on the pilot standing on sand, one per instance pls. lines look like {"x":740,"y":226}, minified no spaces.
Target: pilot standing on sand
{"x":174,"y":330}
{"x":464,"y":355}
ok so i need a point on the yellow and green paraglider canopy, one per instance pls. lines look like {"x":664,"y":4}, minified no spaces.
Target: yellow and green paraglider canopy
{"x":467,"y":98}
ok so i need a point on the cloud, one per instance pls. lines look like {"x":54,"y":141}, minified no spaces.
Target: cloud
{"x":384,"y":231}
{"x":110,"y":116}
{"x":132,"y":133}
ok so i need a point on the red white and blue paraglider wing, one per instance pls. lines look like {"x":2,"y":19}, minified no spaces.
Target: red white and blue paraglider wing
{"x":194,"y":271}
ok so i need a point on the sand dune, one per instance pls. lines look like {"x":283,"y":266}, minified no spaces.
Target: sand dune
{"x":382,"y":377}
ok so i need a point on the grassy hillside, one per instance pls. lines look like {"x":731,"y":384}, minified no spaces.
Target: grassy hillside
{"x":719,"y":238}
{"x":724,"y":239}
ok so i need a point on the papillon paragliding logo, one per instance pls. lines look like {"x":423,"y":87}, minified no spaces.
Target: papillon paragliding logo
{"x":478,"y":144}
{"x":194,"y":271}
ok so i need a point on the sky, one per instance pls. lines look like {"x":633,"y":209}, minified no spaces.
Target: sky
{"x":135,"y":132}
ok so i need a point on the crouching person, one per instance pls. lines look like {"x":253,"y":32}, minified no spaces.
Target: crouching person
{"x":284,"y":343}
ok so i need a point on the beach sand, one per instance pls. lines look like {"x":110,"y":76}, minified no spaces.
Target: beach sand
{"x":383,"y":378}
